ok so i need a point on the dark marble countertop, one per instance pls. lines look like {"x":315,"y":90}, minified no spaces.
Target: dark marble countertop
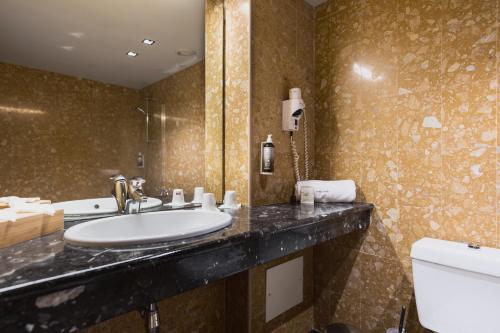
{"x":47,"y":285}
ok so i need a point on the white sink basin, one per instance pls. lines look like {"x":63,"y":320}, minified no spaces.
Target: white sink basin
{"x":91,"y":208}
{"x":146,"y":228}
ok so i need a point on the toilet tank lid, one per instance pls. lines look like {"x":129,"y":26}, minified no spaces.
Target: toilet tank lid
{"x":457,"y":255}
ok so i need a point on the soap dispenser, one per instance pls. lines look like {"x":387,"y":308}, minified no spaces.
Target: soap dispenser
{"x":267,"y":156}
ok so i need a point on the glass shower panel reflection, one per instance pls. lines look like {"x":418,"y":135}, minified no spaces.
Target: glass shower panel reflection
{"x":155,"y":157}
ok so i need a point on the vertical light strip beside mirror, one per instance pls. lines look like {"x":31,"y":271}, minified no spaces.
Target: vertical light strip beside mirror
{"x":214,"y":97}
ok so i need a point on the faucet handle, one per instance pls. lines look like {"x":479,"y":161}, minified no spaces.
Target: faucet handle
{"x":117,"y":178}
{"x":137,"y":182}
{"x":164,"y":192}
{"x":136,"y":193}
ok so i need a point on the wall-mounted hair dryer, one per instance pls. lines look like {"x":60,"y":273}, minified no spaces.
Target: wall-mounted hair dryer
{"x":293,"y":110}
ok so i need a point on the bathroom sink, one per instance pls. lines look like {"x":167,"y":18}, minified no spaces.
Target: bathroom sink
{"x":98,"y":207}
{"x":146,"y":228}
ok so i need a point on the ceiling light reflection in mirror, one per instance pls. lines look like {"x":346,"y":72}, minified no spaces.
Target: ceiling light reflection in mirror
{"x":16,"y":110}
{"x":68,"y":48}
{"x":78,"y":34}
{"x":148,"y":41}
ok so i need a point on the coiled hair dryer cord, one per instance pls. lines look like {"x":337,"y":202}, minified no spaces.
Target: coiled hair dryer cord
{"x":306,"y":149}
{"x":295,"y":156}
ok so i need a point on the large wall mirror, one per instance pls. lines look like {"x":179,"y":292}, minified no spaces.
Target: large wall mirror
{"x":89,"y":89}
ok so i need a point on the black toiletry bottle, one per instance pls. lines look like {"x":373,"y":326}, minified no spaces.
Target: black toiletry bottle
{"x":267,"y":159}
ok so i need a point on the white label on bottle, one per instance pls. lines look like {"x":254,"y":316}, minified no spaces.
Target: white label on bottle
{"x":268,"y":159}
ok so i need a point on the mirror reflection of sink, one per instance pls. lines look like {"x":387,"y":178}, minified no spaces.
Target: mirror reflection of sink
{"x":98,"y":207}
{"x":146,"y":228}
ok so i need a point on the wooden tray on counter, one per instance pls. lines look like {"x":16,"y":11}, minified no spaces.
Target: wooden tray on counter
{"x":29,"y":226}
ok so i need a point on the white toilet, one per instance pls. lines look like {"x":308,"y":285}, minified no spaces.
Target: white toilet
{"x":457,"y":287}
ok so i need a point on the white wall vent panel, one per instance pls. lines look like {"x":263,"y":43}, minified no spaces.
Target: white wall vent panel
{"x":284,"y":287}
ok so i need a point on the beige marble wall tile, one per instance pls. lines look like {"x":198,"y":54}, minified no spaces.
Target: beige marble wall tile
{"x":357,"y":288}
{"x":238,"y":302}
{"x":468,"y":73}
{"x":62,"y":137}
{"x":180,"y":149}
{"x":198,"y":310}
{"x":237,"y":98}
{"x":128,"y":323}
{"x":408,"y":93}
{"x":323,"y":117}
{"x":282,"y":58}
{"x":470,"y":195}
{"x":214,"y":109}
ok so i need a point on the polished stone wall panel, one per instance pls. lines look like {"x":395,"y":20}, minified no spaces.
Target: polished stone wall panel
{"x":237,"y":99}
{"x":282,"y":58}
{"x":214,"y":97}
{"x":408,"y":97}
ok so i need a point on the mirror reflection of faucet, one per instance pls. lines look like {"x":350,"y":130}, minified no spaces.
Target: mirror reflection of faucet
{"x":128,"y":195}
{"x":164,"y":193}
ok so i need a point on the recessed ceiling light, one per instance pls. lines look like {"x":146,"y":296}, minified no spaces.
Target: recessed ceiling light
{"x":132,"y":54}
{"x":186,"y":52}
{"x":78,"y":35}
{"x":148,"y":41}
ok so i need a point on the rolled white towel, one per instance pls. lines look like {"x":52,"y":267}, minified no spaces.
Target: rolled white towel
{"x":329,"y":190}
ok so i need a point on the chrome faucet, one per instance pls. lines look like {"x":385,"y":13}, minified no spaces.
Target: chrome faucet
{"x":120,"y":192}
{"x":127,"y":194}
